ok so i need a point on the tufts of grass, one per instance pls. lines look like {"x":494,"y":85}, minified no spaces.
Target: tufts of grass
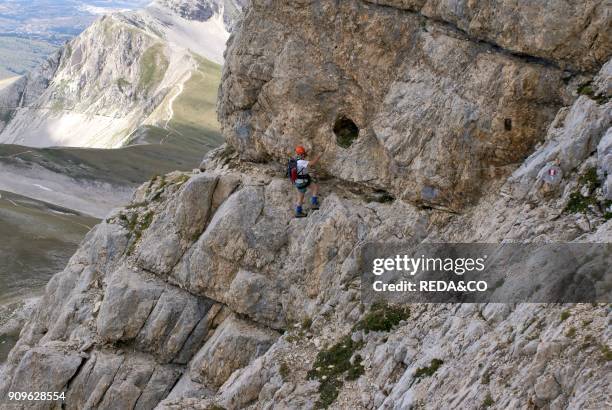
{"x":215,"y":407}
{"x":306,"y":323}
{"x":123,"y":84}
{"x":382,"y":318}
{"x":284,"y":370}
{"x":579,"y":203}
{"x":571,"y":332}
{"x":606,"y":352}
{"x":331,"y":365}
{"x":182,"y":179}
{"x":565,"y":315}
{"x":590,"y":179}
{"x":588,"y":341}
{"x":427,"y":371}
{"x":488,"y":401}
{"x":587,"y":89}
{"x":160,"y":187}
{"x":137,"y":226}
{"x":135,"y":205}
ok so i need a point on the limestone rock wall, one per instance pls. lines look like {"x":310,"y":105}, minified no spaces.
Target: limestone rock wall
{"x":205,"y":291}
{"x":447,"y":98}
{"x":230,"y":302}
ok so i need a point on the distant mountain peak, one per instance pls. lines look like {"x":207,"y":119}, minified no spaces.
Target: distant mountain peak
{"x":203,"y":10}
{"x":141,"y":60}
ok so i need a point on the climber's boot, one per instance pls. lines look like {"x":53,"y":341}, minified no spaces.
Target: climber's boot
{"x":314,"y":202}
{"x":299,"y":213}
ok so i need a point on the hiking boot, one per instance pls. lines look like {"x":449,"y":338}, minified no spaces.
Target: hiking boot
{"x":314,"y":203}
{"x":299,"y":212}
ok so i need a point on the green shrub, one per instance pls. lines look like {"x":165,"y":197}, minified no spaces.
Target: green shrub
{"x":565,"y":314}
{"x":590,"y":179}
{"x":579,"y":203}
{"x":587,"y":89}
{"x":434,"y":365}
{"x":331,"y":364}
{"x":488,"y":401}
{"x":356,"y":370}
{"x":382,"y":318}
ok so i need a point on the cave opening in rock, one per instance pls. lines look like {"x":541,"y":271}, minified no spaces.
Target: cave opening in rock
{"x":508,"y":124}
{"x":346,"y":131}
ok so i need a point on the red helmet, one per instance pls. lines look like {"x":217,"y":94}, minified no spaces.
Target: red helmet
{"x":300,"y":150}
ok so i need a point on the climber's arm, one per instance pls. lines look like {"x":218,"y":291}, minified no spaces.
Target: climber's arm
{"x":314,"y":161}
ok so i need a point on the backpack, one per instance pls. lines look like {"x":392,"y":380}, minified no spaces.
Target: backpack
{"x":292,"y":172}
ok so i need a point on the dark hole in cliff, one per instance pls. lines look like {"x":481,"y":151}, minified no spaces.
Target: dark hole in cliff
{"x":508,"y":124}
{"x":346,"y":131}
{"x":383,"y":196}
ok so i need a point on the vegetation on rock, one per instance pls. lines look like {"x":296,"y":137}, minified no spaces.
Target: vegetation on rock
{"x":382,"y":318}
{"x":427,"y":371}
{"x":331,"y":364}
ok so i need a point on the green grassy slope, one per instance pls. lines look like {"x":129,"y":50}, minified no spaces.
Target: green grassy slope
{"x":130,"y":165}
{"x":194,"y":126}
{"x":37,"y":240}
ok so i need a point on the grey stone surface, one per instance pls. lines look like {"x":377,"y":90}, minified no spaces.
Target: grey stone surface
{"x":235,"y":344}
{"x":206,"y":291}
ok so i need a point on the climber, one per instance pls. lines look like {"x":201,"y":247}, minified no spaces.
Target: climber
{"x":298,"y":170}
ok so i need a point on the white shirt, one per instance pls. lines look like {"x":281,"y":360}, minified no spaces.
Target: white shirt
{"x":302,"y":167}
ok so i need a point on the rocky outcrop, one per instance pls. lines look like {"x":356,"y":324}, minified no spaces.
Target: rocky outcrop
{"x":565,"y":33}
{"x":206,"y":292}
{"x":416,"y":93}
{"x":206,"y":314}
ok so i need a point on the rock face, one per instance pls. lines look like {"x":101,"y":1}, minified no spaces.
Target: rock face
{"x":205,"y":291}
{"x":416,"y":92}
{"x":123,"y":72}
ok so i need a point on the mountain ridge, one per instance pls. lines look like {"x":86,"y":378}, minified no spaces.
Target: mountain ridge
{"x":92,"y":94}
